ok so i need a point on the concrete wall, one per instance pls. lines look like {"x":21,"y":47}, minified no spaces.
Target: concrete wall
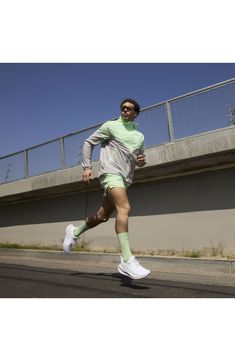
{"x":183,"y":203}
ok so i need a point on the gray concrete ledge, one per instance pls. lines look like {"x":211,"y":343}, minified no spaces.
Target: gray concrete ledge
{"x":57,"y":259}
{"x":209,"y":151}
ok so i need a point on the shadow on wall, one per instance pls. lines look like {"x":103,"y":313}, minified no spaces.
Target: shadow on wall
{"x":201,"y":192}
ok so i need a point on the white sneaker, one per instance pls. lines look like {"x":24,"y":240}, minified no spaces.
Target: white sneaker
{"x":133,"y":269}
{"x":69,"y":239}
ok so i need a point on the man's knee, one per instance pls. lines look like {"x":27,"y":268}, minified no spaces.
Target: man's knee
{"x":124,"y":209}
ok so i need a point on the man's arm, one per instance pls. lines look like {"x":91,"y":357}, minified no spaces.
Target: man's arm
{"x":96,"y":138}
{"x":140,"y":161}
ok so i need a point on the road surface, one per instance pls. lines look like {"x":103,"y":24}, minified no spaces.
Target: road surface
{"x":23,"y":281}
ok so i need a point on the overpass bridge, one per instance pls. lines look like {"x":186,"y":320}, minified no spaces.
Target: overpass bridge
{"x":182,"y":200}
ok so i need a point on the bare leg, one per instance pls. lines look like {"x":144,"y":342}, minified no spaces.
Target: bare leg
{"x":103,"y":213}
{"x":116,"y":198}
{"x":121,"y":202}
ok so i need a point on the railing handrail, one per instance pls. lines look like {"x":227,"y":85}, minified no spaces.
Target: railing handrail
{"x":195,"y":92}
{"x":51,"y":141}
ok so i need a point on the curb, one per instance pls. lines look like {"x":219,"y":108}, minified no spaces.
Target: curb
{"x":197,"y":266}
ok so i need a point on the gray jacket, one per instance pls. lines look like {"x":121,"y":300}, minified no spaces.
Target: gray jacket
{"x":120,"y":145}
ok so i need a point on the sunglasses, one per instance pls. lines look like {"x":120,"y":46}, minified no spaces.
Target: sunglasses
{"x":127,"y":108}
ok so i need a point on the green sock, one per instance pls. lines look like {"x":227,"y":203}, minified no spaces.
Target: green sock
{"x":124,"y":245}
{"x":79,"y":230}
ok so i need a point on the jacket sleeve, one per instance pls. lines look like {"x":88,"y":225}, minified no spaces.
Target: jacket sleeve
{"x":140,"y":151}
{"x":142,"y":147}
{"x":99,"y":136}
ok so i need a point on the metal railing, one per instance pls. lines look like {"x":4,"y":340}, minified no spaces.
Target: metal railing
{"x":201,"y":111}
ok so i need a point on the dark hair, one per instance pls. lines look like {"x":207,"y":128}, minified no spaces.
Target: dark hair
{"x":132,"y":101}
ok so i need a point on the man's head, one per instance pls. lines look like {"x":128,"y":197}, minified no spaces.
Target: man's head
{"x":129,"y":109}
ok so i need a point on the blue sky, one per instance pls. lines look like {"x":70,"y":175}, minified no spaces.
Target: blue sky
{"x":42,"y":101}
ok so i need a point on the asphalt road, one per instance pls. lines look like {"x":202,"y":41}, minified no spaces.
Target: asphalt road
{"x":21,"y":281}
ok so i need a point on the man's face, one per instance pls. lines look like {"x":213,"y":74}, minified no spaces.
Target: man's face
{"x":128,"y":111}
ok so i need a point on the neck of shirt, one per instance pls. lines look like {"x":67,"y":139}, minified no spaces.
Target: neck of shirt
{"x":130,"y":124}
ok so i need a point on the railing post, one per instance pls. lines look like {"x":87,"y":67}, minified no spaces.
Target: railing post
{"x":170,"y":122}
{"x":26,"y":164}
{"x":62,"y":153}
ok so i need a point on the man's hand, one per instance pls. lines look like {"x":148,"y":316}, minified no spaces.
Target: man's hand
{"x":140,"y":162}
{"x":87,"y":175}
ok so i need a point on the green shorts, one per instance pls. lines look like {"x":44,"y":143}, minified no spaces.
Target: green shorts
{"x":109,"y":180}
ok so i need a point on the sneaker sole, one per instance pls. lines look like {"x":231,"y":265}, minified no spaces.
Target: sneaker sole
{"x":133,"y":277}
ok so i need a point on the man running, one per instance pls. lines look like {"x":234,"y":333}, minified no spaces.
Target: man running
{"x":122,"y":148}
